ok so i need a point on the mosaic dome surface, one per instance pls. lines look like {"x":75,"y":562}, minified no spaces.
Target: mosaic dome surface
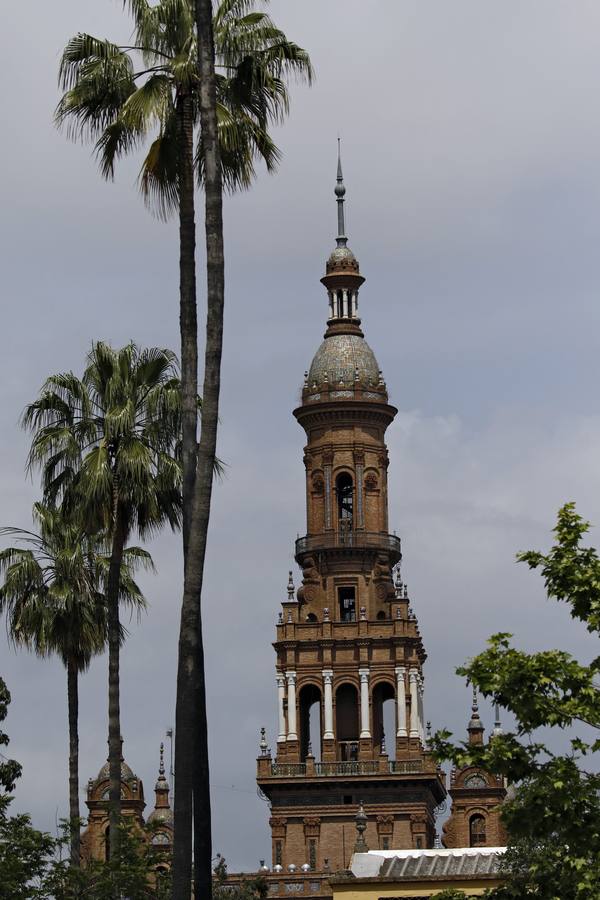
{"x":339,"y":356}
{"x":126,"y":773}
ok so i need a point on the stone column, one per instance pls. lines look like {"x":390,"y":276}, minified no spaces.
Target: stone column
{"x":327,"y":461}
{"x":414,"y":703}
{"x":359,"y":461}
{"x":421,"y":712}
{"x":291,"y":698}
{"x":331,"y":304}
{"x":365,"y":731}
{"x":328,"y":703}
{"x":401,"y":702}
{"x":345,"y":303}
{"x":280,"y":704}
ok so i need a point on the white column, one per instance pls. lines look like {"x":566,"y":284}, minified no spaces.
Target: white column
{"x":414,"y":703}
{"x":421,"y":712}
{"x":328,"y":701}
{"x":365,"y":731}
{"x":331,"y":304}
{"x":291,"y":699}
{"x":401,"y":702}
{"x":345,"y":303}
{"x":280,"y":705}
{"x":353,"y":304}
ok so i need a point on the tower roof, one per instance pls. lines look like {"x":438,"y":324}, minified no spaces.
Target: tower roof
{"x":162,"y":811}
{"x":344,"y":359}
{"x":475,"y":726}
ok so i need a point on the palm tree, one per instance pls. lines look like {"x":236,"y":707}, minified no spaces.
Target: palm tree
{"x":120,"y":95}
{"x":54,"y":602}
{"x":109,"y":446}
{"x":115,"y":104}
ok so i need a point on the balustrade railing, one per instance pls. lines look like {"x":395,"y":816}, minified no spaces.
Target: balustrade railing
{"x":348,"y":767}
{"x":406,"y":766}
{"x":332,"y":540}
{"x":351,"y":767}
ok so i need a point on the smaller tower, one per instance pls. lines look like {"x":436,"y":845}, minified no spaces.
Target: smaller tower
{"x":94,"y":841}
{"x":476,"y":797}
{"x":160,"y":819}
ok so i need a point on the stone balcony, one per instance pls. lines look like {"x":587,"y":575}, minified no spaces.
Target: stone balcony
{"x":350,"y":541}
{"x":271,"y":769}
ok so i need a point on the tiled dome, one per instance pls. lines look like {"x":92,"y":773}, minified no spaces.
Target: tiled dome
{"x":339,"y":357}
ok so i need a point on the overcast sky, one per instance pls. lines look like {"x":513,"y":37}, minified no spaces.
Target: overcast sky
{"x":471,"y":141}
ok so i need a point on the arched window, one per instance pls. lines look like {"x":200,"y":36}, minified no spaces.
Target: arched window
{"x":384,"y":718}
{"x":346,"y":722}
{"x":477,"y":831}
{"x":310,"y":721}
{"x":345,"y":496}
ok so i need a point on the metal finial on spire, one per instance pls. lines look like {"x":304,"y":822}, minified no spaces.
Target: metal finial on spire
{"x":340,"y":192}
{"x":161,"y":767}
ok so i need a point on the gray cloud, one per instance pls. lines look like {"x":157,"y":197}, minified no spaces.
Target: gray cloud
{"x":470,"y":141}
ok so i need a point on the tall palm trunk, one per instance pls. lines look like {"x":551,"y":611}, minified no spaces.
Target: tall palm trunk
{"x":114,"y":709}
{"x":192,"y":786}
{"x":188,"y":320}
{"x":73,"y":704}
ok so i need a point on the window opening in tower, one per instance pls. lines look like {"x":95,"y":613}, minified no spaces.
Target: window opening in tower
{"x":477,"y":835}
{"x":346,"y":720}
{"x":347,"y":601}
{"x":345,"y":500}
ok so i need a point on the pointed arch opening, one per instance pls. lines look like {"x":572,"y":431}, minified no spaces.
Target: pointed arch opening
{"x":310,"y":722}
{"x":346,"y":722}
{"x":384,"y":718}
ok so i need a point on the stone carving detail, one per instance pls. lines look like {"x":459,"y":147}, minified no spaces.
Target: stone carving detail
{"x":371,"y":482}
{"x":308,"y":590}
{"x":318,"y":484}
{"x":278,"y":826}
{"x":312,"y":826}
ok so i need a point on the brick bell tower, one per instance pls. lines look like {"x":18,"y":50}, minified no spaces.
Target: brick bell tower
{"x":347,"y":642}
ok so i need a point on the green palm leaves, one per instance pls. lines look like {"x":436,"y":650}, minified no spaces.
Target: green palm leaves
{"x":119,"y":96}
{"x":108,"y":442}
{"x":108,"y":445}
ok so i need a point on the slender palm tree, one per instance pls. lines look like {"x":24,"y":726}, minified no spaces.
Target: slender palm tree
{"x":121,"y":95}
{"x":108,"y":445}
{"x":53,"y":598}
{"x":191,"y":736}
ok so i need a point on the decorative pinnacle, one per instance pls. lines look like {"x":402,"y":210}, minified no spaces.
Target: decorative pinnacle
{"x":290,"y":587}
{"x":161,"y":767}
{"x":361,"y":826}
{"x":475,"y":721}
{"x":497,"y":724}
{"x":340,"y":192}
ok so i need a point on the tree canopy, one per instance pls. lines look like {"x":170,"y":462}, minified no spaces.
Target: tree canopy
{"x":553,"y":816}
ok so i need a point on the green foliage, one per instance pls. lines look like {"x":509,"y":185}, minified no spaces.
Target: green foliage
{"x":24,"y":852}
{"x":132,"y":873}
{"x":53,"y":588}
{"x":120,"y":96}
{"x":111,"y":437}
{"x":553,"y":820}
{"x":252,"y":887}
{"x":449,"y":894}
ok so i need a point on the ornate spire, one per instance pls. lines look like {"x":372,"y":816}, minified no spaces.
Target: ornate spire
{"x":161,"y":765}
{"x":475,"y":728}
{"x":340,"y":192}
